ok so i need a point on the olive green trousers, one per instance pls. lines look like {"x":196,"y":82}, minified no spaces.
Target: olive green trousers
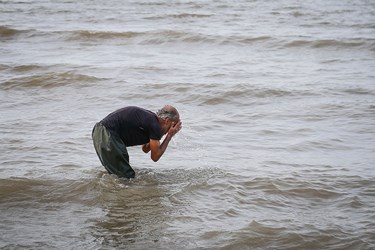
{"x":112,"y":152}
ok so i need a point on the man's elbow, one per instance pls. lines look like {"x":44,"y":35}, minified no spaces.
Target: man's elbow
{"x":156,"y":155}
{"x":155,"y":158}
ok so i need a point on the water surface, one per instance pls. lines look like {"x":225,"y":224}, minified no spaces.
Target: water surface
{"x":277,"y":102}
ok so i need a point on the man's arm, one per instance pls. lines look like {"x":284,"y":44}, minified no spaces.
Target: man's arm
{"x":157,"y":149}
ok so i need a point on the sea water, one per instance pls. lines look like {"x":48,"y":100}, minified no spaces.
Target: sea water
{"x":277,"y":100}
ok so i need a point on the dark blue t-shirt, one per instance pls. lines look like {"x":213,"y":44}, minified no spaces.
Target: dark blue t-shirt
{"x":134,"y":125}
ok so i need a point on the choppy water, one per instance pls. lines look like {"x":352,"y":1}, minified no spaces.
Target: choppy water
{"x":277,"y":100}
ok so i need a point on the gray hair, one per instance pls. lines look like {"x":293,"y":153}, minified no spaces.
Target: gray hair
{"x":167,"y":112}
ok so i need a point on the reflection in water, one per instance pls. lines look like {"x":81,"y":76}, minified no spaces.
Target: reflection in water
{"x":135,"y":211}
{"x":151,"y":210}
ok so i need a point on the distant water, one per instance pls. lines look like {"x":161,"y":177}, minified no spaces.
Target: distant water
{"x":277,"y":100}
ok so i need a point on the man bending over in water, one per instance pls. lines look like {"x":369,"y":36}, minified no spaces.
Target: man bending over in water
{"x":131,"y":126}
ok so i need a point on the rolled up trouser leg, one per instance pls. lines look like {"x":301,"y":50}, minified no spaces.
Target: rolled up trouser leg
{"x":112,"y":152}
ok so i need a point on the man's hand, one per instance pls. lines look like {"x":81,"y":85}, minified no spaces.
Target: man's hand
{"x":175,"y":128}
{"x":146,"y":147}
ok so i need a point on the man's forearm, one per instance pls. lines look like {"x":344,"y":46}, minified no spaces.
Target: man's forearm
{"x":155,"y":156}
{"x":165,"y":143}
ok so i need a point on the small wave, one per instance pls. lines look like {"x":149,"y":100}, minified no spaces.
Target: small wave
{"x":190,"y":15}
{"x":164,"y":37}
{"x":291,"y":187}
{"x":297,"y":43}
{"x":9,"y":32}
{"x":297,"y":14}
{"x":169,"y":36}
{"x":48,"y":80}
{"x":327,"y":144}
{"x":146,"y":37}
{"x":216,"y":93}
{"x":237,"y":96}
{"x":250,"y":40}
{"x":337,"y":43}
{"x":27,"y":68}
{"x":86,"y":34}
{"x":326,"y":43}
{"x":265,"y":229}
{"x":312,"y":193}
{"x":179,"y":16}
{"x":263,"y":234}
{"x":359,"y":91}
{"x":17,"y":188}
{"x":175,"y":36}
{"x":151,"y":3}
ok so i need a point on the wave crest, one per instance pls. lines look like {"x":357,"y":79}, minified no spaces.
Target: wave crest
{"x":327,"y":43}
{"x":48,"y":80}
{"x":9,"y":32}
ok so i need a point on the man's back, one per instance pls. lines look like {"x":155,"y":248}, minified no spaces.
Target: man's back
{"x":134,"y":125}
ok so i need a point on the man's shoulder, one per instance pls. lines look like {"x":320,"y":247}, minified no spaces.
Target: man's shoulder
{"x":143,"y":111}
{"x":133,"y":109}
{"x":136,"y":108}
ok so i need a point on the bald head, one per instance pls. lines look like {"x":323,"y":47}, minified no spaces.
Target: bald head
{"x":168,"y":112}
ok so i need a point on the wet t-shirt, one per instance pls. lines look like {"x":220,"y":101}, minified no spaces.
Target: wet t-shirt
{"x":135,"y":126}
